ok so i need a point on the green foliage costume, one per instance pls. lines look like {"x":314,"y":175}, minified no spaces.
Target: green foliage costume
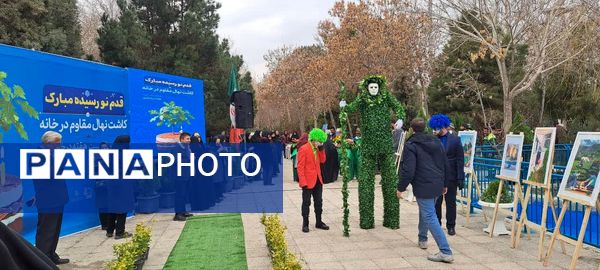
{"x":374,"y":103}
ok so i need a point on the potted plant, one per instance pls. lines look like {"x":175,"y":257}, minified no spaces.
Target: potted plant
{"x":133,"y":253}
{"x":147,"y":197}
{"x":170,"y":115}
{"x":488,"y":204}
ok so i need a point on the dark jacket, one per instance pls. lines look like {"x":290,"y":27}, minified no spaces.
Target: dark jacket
{"x":51,"y":195}
{"x":456,"y":159}
{"x":424,"y":166}
{"x":17,"y":253}
{"x":185,"y":152}
{"x":120,"y":193}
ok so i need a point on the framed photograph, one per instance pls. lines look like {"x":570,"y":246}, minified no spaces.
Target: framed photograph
{"x":542,"y":153}
{"x":468,"y":139}
{"x":511,"y":158}
{"x":580,"y":181}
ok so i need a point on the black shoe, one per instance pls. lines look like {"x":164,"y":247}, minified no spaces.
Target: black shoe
{"x":188,"y":215}
{"x":123,"y":235}
{"x":451,"y":231}
{"x":322,"y":226}
{"x":305,"y":229}
{"x":57,"y":260}
{"x":179,"y":217}
{"x":109,"y":234}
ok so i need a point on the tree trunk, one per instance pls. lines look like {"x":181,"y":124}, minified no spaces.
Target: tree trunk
{"x":485,"y":121}
{"x":508,"y":114}
{"x":302,"y":125}
{"x":315,"y":124}
{"x":332,"y":118}
{"x":541,"y":122}
{"x":507,"y":123}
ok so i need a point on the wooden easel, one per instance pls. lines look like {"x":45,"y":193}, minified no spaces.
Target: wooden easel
{"x":517,"y":198}
{"x":517,"y":193}
{"x":398,"y":154}
{"x":547,"y":197}
{"x":540,"y":228}
{"x":557,"y":235}
{"x":465,"y":202}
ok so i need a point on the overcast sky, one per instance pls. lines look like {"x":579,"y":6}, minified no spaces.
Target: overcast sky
{"x":256,"y":26}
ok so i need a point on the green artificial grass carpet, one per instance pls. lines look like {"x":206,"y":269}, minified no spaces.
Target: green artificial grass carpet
{"x":210,"y":242}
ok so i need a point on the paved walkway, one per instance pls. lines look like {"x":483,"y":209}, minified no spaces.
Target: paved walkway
{"x":93,"y":250}
{"x":379,"y":248}
{"x":382,"y":248}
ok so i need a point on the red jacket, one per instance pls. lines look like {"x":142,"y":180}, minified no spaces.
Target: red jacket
{"x":309,"y":167}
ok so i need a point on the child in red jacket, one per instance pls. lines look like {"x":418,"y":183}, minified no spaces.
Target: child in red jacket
{"x":310,"y":157}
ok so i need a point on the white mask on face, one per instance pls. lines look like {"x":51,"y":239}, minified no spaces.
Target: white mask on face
{"x":373,"y":89}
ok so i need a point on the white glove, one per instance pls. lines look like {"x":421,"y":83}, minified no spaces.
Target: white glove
{"x":399,"y":124}
{"x":343,"y":104}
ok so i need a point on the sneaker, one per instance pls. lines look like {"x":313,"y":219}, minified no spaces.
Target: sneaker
{"x":58,"y":260}
{"x":123,"y":235}
{"x":305,"y":229}
{"x":322,"y":226}
{"x":109,"y":234}
{"x":451,"y":231}
{"x":179,"y":217}
{"x":440,"y":257}
{"x":423,"y":244}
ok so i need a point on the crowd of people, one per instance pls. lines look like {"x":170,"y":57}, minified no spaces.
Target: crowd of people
{"x":433,"y":164}
{"x":115,"y":199}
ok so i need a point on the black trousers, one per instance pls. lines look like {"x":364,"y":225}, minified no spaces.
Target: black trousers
{"x":450,"y":198}
{"x":48,"y":231}
{"x":103,"y":219}
{"x":181,"y":194}
{"x":317,"y":194}
{"x":116,"y":223}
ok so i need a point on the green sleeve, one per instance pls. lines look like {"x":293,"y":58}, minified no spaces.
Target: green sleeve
{"x":396,"y":106}
{"x":352,"y":106}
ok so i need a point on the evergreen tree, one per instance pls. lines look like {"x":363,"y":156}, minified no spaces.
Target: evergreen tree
{"x":45,"y":25}
{"x":177,"y":37}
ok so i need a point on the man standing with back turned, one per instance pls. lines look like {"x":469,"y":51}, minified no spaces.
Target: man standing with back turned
{"x":424,"y":166}
{"x":456,"y":169}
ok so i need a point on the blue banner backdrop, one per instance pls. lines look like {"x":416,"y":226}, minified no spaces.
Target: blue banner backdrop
{"x":88,"y":103}
{"x":175,"y":99}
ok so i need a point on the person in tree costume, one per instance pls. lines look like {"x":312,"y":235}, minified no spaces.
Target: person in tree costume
{"x":374,"y":103}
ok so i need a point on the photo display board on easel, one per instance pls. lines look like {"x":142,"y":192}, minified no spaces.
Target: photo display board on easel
{"x":510,"y":171}
{"x":468,"y":140}
{"x":579,"y":185}
{"x":539,"y":177}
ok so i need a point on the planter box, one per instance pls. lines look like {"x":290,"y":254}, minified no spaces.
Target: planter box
{"x":499,"y":227}
{"x":167,"y":200}
{"x":139,"y":263}
{"x":147,"y":204}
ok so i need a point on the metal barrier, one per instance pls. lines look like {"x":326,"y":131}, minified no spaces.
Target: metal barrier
{"x":486,"y":170}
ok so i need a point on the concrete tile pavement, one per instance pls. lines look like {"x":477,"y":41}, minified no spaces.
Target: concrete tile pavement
{"x":382,"y":248}
{"x":91,"y":249}
{"x":379,"y":248}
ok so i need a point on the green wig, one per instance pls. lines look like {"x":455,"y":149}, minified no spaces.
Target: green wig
{"x":317,"y":135}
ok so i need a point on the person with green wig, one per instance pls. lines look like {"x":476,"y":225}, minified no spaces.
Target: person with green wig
{"x":310,"y":179}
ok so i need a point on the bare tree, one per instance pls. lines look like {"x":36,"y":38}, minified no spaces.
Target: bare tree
{"x":90,"y":12}
{"x":543,"y":27}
